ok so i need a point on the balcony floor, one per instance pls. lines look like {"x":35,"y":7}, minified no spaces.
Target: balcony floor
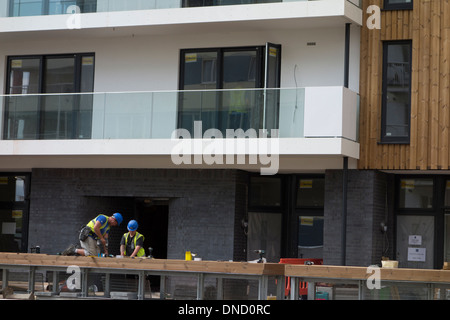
{"x":261,"y":17}
{"x":289,"y":155}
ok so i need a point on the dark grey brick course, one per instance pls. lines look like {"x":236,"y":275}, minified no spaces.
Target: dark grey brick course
{"x":204,"y":208}
{"x":366,"y":209}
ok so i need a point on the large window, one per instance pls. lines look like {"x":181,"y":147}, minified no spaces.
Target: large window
{"x":422,"y":223}
{"x":416,"y":193}
{"x":59,"y":115}
{"x":221,"y":87}
{"x":265,"y":192}
{"x":310,"y":193}
{"x":287,"y":210}
{"x":310,"y":201}
{"x":203,"y":3}
{"x":265,"y":218}
{"x":396,"y":106}
{"x":418,"y":215}
{"x":20,"y":8}
{"x":14,"y":212}
{"x":398,"y":4}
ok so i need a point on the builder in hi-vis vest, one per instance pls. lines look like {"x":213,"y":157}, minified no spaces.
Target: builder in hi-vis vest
{"x":96,"y":232}
{"x":132,"y":242}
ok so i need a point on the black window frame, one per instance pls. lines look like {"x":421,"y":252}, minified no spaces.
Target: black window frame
{"x":24,"y":206}
{"x":260,"y":77}
{"x":384,"y":139}
{"x":398,"y":6}
{"x":416,"y":210}
{"x":314,"y":210}
{"x":219,"y":63}
{"x":299,"y":211}
{"x":258,"y":207}
{"x":437,"y":211}
{"x":78,"y":58}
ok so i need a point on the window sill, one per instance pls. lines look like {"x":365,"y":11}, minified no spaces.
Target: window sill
{"x":398,"y":8}
{"x":393,"y":142}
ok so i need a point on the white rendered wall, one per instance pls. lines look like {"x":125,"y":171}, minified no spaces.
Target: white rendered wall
{"x":310,"y":58}
{"x":330,"y":112}
{"x":149,"y":63}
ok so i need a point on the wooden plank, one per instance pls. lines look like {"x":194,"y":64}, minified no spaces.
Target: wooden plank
{"x":387,"y":30}
{"x":360,"y":273}
{"x":404,"y":32}
{"x":414,"y":88}
{"x":444,"y":83}
{"x":142,"y":264}
{"x":434,"y":84}
{"x":416,"y":275}
{"x":424,"y":82}
{"x":311,"y":271}
{"x":375,"y":96}
{"x":326,"y":272}
{"x":364,"y":118}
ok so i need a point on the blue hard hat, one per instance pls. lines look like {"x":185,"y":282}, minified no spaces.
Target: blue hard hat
{"x":132,"y":225}
{"x":118,"y":218}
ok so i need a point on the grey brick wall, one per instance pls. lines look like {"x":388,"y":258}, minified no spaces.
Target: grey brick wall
{"x":202,"y":206}
{"x":367,"y":203}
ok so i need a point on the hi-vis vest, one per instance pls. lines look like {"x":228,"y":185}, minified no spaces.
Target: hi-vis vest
{"x":104,"y":228}
{"x":141,"y":251}
{"x":238,"y":101}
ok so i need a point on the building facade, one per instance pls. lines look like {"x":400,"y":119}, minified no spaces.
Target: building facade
{"x":223,"y":127}
{"x":404,"y":124}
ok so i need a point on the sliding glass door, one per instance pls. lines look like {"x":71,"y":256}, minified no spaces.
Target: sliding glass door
{"x":224,"y":88}
{"x":14,"y":206}
{"x":57,"y":113}
{"x":241,"y":72}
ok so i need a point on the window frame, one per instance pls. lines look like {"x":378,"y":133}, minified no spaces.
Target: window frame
{"x":78,"y":60}
{"x":260,"y":78}
{"x":416,"y":210}
{"x":384,"y":139}
{"x":220,"y":51}
{"x":20,"y":205}
{"x":438,"y":211}
{"x":257,"y":207}
{"x":314,"y":210}
{"x":398,"y":6}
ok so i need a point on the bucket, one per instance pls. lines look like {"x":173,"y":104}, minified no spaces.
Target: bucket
{"x":188,"y":255}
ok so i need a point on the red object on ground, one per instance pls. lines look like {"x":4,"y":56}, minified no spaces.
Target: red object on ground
{"x":303,"y":286}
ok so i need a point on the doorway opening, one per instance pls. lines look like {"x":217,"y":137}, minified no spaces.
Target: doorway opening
{"x":153,"y":218}
{"x":152,"y":215}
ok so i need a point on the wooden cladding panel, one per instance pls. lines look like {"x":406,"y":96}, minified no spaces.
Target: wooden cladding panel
{"x":428,"y":26}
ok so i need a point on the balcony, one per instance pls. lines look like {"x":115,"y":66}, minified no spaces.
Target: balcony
{"x":19,"y":8}
{"x":169,"y":16}
{"x":306,"y":122}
